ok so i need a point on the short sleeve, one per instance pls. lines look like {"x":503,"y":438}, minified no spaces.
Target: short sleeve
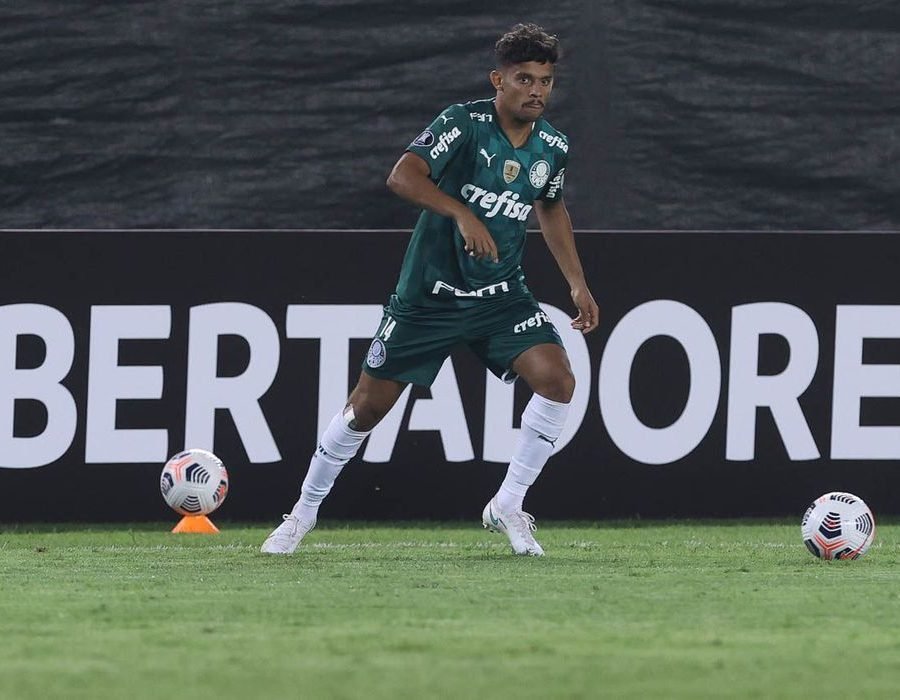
{"x":553,"y":192}
{"x":443,"y":139}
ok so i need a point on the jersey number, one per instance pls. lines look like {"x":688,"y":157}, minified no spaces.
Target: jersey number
{"x":388,"y":328}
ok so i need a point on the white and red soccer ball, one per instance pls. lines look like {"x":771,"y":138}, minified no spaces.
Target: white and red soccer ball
{"x":194,"y":482}
{"x":838,"y":525}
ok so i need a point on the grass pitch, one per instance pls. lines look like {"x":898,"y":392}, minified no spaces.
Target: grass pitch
{"x":615,"y":610}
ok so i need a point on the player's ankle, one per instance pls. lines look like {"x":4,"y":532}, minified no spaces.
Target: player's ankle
{"x":305,"y":512}
{"x":509,"y":502}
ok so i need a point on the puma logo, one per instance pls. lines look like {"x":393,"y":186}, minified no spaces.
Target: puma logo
{"x":487,"y":157}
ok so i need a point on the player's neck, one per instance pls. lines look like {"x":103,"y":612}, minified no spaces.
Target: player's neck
{"x":517,"y":131}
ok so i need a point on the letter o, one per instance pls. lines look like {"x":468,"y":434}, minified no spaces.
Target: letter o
{"x":687,"y":327}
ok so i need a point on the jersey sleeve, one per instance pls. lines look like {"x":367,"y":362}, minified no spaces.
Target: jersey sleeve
{"x":553,"y":191}
{"x":443,"y":139}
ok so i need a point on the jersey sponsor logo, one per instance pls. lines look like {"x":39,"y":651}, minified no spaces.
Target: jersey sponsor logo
{"x":444,"y":141}
{"x":377,"y":354}
{"x":487,"y":157}
{"x":506,"y":203}
{"x":426,"y":138}
{"x":556,"y":184}
{"x":536,"y":321}
{"x":479,"y":116}
{"x":539,"y":173}
{"x":489,"y":291}
{"x":511,"y":170}
{"x":555,"y":141}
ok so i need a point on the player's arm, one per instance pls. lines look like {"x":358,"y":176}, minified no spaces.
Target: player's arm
{"x":556,"y":227}
{"x":410,"y":179}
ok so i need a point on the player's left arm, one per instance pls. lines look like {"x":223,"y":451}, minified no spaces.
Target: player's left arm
{"x":556,"y":227}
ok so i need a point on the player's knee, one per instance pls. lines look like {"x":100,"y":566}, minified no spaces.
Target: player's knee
{"x":557,"y":386}
{"x":366,"y":409}
{"x":369,"y":402}
{"x":362,"y":415}
{"x":566,"y":386}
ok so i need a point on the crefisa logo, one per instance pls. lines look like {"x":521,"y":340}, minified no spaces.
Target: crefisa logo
{"x":444,"y":141}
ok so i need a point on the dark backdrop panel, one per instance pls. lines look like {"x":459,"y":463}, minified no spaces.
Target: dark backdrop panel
{"x":252,"y":114}
{"x":754,"y":113}
{"x":590,"y":478}
{"x":202,"y":113}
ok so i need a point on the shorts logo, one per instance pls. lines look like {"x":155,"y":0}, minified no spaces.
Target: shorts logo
{"x":377,"y":353}
{"x":426,"y":138}
{"x":539,"y":173}
{"x":511,"y":170}
{"x":490,"y":290}
{"x":536,"y":321}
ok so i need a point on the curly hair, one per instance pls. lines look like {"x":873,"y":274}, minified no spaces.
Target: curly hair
{"x":526,"y":42}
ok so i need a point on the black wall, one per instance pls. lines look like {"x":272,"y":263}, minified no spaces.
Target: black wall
{"x":728,"y":114}
{"x":592,"y":477}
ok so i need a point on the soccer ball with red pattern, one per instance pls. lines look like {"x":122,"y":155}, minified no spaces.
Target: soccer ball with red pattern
{"x":838,"y":526}
{"x":194,"y":482}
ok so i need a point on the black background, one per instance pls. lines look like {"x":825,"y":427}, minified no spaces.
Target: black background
{"x":590,"y":478}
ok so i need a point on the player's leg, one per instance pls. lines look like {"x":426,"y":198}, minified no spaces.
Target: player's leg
{"x":545,"y":368}
{"x":369,"y":402}
{"x":520,"y":340}
{"x":409,"y":348}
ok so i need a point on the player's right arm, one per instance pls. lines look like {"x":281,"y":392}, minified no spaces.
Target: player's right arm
{"x":411,"y":180}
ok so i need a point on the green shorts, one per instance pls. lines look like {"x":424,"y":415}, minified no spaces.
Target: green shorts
{"x":412,"y":342}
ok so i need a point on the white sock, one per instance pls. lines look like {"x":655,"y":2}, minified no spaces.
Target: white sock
{"x":542,"y":424}
{"x":339,"y":444}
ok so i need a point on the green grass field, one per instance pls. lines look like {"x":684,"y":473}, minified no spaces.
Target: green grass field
{"x":615,"y":610}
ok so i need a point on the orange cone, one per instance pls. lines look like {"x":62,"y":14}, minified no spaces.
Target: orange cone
{"x":196,"y":524}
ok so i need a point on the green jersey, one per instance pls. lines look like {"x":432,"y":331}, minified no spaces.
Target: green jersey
{"x":472,"y":160}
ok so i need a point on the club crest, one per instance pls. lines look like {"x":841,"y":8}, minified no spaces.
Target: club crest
{"x":539,"y":173}
{"x":377,"y":353}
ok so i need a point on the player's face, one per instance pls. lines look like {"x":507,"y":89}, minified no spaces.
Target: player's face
{"x":523,"y":89}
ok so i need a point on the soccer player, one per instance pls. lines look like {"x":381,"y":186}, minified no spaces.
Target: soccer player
{"x":477,"y":172}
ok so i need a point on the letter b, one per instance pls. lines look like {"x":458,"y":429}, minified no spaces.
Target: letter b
{"x":40,"y":383}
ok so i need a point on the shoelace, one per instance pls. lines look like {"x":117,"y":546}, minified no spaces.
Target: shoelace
{"x":286,"y":517}
{"x":525,"y":525}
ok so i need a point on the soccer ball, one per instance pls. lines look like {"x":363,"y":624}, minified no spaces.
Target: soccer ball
{"x":194,"y":482}
{"x":838,"y":526}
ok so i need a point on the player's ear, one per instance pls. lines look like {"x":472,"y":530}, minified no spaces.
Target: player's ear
{"x":497,"y":80}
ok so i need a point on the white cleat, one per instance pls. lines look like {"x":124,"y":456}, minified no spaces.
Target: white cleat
{"x":285,"y":538}
{"x":517,"y":526}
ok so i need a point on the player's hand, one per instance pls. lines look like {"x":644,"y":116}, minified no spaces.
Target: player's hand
{"x":588,"y":312}
{"x":479,"y":242}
